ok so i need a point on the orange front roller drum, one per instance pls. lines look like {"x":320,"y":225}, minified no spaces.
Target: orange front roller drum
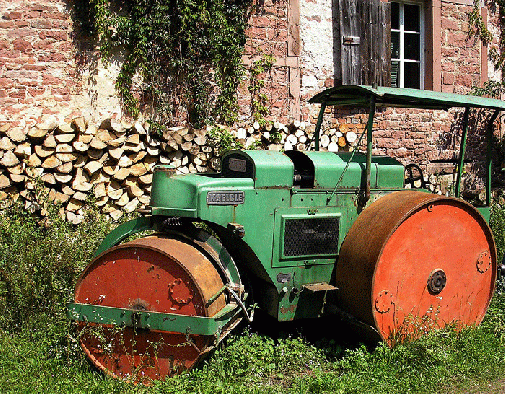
{"x":414,"y":262}
{"x":150,"y":274}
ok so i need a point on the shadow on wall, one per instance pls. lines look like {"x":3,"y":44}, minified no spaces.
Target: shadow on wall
{"x":475,"y":157}
{"x":85,"y":43}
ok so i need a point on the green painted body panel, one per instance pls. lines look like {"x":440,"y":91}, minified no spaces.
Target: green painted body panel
{"x":329,"y":168}
{"x":386,"y":172}
{"x":390,"y":173}
{"x":178,"y":195}
{"x":171,"y":322}
{"x":126,"y":229}
{"x":270,"y":168}
{"x":485,"y":212}
{"x":264,"y":212}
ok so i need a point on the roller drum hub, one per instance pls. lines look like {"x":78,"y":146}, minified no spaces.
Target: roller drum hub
{"x":413,"y":262}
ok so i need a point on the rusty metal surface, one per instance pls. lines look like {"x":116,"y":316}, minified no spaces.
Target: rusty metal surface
{"x":391,"y":252}
{"x":150,"y":274}
{"x":319,"y":287}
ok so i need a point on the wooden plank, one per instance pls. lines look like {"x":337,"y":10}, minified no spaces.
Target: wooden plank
{"x":384,"y":54}
{"x":368,"y":63}
{"x":350,"y":26}
{"x":365,"y":52}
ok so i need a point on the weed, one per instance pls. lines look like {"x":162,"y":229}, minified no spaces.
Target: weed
{"x":259,"y":100}
{"x":224,"y":140}
{"x":39,"y":262}
{"x":39,"y":352}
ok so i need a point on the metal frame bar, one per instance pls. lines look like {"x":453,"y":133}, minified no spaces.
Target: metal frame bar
{"x":462,"y":150}
{"x":171,"y":322}
{"x":489,"y":156}
{"x":318,"y":125}
{"x":369,"y":145}
{"x":126,"y":229}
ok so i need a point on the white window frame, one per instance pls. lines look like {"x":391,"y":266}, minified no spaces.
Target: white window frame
{"x":402,"y":32}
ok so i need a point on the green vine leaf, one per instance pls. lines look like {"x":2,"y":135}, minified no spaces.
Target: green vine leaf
{"x":185,"y":54}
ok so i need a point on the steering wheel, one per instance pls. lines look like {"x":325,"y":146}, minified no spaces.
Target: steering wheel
{"x":410,"y":170}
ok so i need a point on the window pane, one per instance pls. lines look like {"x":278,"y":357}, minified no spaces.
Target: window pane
{"x":412,"y":76}
{"x":412,"y":46}
{"x":395,"y":16}
{"x":412,"y":17}
{"x":395,"y":74}
{"x":395,"y":45}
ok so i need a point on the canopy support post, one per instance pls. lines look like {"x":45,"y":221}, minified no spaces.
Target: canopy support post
{"x":369,"y":128}
{"x":318,"y":125}
{"x":462,"y":150}
{"x":489,"y":156}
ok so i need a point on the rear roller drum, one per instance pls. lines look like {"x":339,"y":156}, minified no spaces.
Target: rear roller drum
{"x":413,"y":262}
{"x":149,"y":274}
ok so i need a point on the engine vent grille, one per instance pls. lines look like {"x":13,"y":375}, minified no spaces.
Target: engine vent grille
{"x":307,"y":237}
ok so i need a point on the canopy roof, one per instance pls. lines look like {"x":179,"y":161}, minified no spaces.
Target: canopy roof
{"x":361,"y":95}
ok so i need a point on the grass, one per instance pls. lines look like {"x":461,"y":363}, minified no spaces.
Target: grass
{"x":39,"y":263}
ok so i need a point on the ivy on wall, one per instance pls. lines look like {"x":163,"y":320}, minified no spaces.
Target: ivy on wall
{"x":496,"y":44}
{"x":180,"y":56}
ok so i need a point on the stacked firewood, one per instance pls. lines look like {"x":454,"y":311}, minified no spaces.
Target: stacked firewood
{"x":112,"y":163}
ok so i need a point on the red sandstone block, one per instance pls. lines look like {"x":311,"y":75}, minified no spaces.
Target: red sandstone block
{"x":41,"y":24}
{"x":55,"y":14}
{"x":61,"y":91}
{"x":21,"y":23}
{"x":448,"y":78}
{"x":48,"y":79}
{"x":278,"y":50}
{"x":52,"y":57}
{"x":56,"y":34}
{"x":7,"y":55}
{"x":60,"y":24}
{"x":33,"y":14}
{"x":448,"y":66}
{"x":447,"y":89}
{"x":448,"y":52}
{"x":22,"y":45}
{"x":463,"y":79}
{"x":12,"y":15}
{"x":262,"y":21}
{"x":29,"y":82}
{"x":457,"y":38}
{"x":275,"y":34}
{"x":20,"y":33}
{"x":65,"y":46}
{"x":43,"y":44}
{"x":257,"y":33}
{"x":450,"y":24}
{"x":9,"y":108}
{"x":6,"y":24}
{"x":5,"y":83}
{"x":19,"y":93}
{"x":43,"y":7}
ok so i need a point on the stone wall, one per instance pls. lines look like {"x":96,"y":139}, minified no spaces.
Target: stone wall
{"x":61,"y":122}
{"x":45,"y":69}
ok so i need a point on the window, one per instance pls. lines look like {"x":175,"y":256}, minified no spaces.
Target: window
{"x":407,"y":63}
